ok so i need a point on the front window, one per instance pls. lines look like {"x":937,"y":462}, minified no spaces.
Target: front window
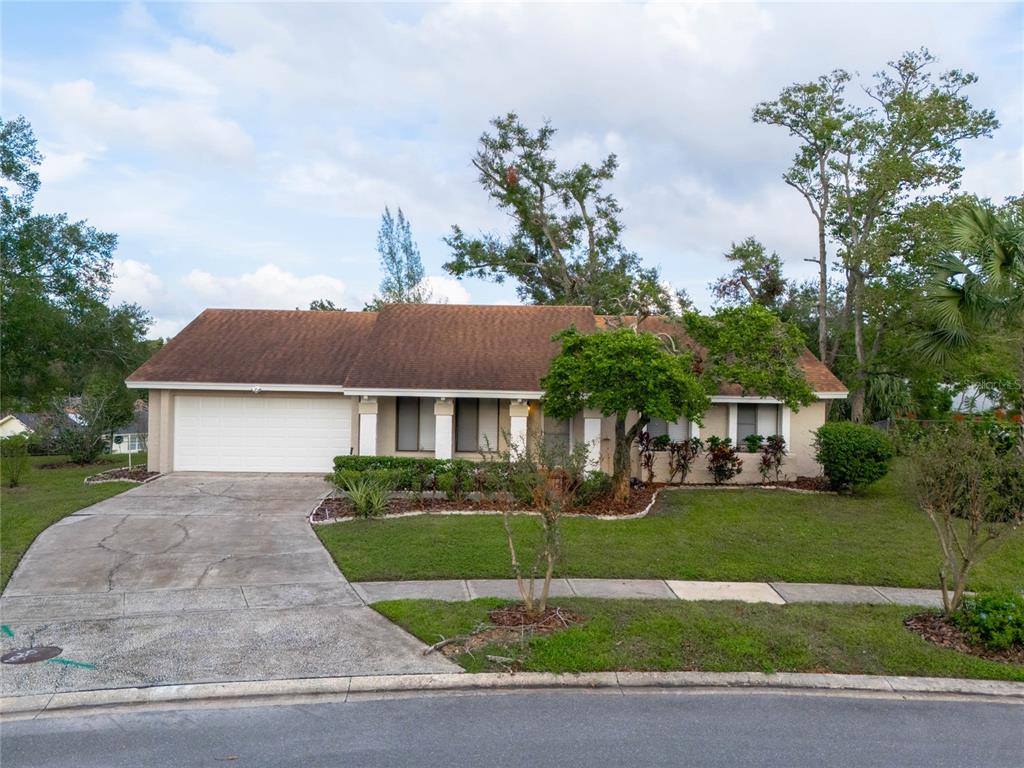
{"x":762,"y":419}
{"x":415,"y":424}
{"x":677,"y":431}
{"x":476,"y":424}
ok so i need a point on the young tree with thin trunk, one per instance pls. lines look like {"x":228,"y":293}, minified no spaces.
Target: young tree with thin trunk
{"x":972,"y":490}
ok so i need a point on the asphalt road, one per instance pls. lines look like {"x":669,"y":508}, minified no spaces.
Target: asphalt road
{"x":539,"y":729}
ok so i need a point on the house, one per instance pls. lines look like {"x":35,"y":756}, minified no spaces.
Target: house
{"x":131,"y":438}
{"x":286,"y":391}
{"x":41,"y":424}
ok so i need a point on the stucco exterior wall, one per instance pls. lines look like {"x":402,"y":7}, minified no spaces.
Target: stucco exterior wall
{"x":799,"y":461}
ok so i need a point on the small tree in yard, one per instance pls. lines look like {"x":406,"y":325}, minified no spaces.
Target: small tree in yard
{"x":622,"y":372}
{"x":104,"y":406}
{"x":547,"y":478}
{"x":972,"y":490}
{"x":13,"y":459}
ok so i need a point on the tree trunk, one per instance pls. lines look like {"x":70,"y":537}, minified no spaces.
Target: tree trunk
{"x":857,"y":396}
{"x":621,"y":462}
{"x":822,"y":293}
{"x":1020,"y":399}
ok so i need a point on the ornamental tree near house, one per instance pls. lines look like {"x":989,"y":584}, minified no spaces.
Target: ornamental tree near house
{"x":628,"y":371}
{"x":619,"y":372}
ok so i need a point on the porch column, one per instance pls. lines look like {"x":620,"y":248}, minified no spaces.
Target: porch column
{"x":592,"y":437}
{"x":518,"y":412}
{"x":444,"y":412}
{"x":368,"y":426}
{"x":784,"y":414}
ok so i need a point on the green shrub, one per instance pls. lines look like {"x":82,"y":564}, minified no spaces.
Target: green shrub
{"x":596,"y":486}
{"x":753,"y":443}
{"x":662,"y":442}
{"x":723,"y":463}
{"x":852,"y":455}
{"x":407,"y":472}
{"x":994,"y":619}
{"x":393,"y":479}
{"x":457,"y":481}
{"x":13,"y":458}
{"x":368,"y":494}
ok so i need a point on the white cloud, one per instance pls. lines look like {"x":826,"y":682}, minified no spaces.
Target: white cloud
{"x":446,"y":290}
{"x":135,"y":283}
{"x":186,"y":128}
{"x":268,"y":287}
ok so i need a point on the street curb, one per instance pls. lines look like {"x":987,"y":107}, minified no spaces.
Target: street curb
{"x":269,"y":692}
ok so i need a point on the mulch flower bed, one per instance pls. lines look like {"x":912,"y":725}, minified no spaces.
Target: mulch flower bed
{"x":804,"y":484}
{"x":934,"y":628}
{"x":340,"y":508}
{"x":509,"y":625}
{"x":133,"y":475}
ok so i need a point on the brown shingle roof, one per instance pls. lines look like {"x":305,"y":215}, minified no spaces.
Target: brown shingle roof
{"x":820,"y":378}
{"x":405,"y":346}
{"x":258,"y":346}
{"x":463,"y":347}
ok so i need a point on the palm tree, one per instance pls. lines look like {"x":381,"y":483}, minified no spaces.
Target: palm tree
{"x":977,"y":289}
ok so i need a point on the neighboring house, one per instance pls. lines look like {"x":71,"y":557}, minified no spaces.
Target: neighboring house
{"x":19,"y":423}
{"x":131,"y":438}
{"x":286,"y":391}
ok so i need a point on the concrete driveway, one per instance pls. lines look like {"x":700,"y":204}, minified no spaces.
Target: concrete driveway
{"x":194,"y":577}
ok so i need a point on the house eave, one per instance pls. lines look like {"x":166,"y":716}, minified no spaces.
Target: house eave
{"x":220,"y":386}
{"x":494,"y":394}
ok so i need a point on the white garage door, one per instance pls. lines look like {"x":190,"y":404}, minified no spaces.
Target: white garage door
{"x":260,"y":433}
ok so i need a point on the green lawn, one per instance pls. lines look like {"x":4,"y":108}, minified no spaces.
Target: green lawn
{"x":879,"y":537}
{"x":715,"y":637}
{"x":44,"y":497}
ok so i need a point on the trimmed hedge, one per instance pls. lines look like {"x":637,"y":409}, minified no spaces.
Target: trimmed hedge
{"x":852,"y":455}
{"x":403,"y":473}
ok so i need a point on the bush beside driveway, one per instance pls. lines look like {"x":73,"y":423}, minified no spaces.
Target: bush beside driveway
{"x":875,"y":538}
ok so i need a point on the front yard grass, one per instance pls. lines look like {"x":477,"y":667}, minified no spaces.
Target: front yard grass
{"x":878,"y":538}
{"x":46,"y":496}
{"x":654,"y":635}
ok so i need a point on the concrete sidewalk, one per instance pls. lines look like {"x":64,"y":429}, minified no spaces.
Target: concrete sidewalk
{"x":779,"y":592}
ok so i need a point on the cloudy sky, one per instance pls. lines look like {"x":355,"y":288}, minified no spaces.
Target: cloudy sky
{"x":243,"y":152}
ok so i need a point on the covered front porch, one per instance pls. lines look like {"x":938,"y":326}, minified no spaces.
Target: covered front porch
{"x":468,"y":426}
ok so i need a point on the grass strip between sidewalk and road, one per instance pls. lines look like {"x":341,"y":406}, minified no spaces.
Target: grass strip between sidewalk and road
{"x":655,"y":635}
{"x":879,"y":538}
{"x":46,"y":496}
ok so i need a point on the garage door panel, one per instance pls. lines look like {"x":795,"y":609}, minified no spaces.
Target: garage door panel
{"x":260,"y":434}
